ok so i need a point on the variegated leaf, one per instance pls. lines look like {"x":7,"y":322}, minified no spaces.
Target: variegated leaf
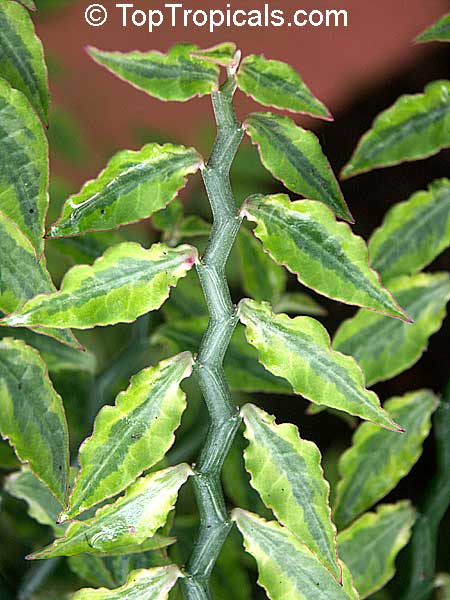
{"x":370,"y":545}
{"x":145,"y":584}
{"x":413,"y":233}
{"x":294,"y":156}
{"x":298,"y":303}
{"x":438,"y":32}
{"x":132,"y":187}
{"x":131,"y":436}
{"x":378,"y":459}
{"x":22,"y":58}
{"x":222,"y":54}
{"x":42,"y":505}
{"x":243,"y":371}
{"x":287,"y":568}
{"x":126,"y":282}
{"x":386,"y":347}
{"x":262,"y":279}
{"x":29,"y":4}
{"x":299,"y":350}
{"x":275,"y":83}
{"x":24,"y":170}
{"x":323,"y":253}
{"x":32,"y":415}
{"x":415,"y":127}
{"x":177,"y":75}
{"x":130,"y":520}
{"x":287,"y":473}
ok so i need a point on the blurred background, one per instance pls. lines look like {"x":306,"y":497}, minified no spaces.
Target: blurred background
{"x":357,"y":71}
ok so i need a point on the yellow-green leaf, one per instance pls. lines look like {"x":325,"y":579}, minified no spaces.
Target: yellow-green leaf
{"x":325,"y":255}
{"x":32,"y":415}
{"x":385,"y":347}
{"x":132,"y":187}
{"x":21,"y":56}
{"x":299,"y":350}
{"x":126,"y":282}
{"x":275,"y":83}
{"x":413,"y":233}
{"x":177,"y":75}
{"x":378,"y":459}
{"x":131,"y":519}
{"x":416,"y":126}
{"x":287,"y":568}
{"x":131,"y":436}
{"x":294,"y":156}
{"x":370,"y":545}
{"x":24,"y":170}
{"x":222,"y":54}
{"x":287,"y":473}
{"x":144,"y":584}
{"x":438,"y":32}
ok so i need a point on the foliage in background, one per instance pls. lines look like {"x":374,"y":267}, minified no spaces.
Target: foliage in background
{"x":107,"y":521}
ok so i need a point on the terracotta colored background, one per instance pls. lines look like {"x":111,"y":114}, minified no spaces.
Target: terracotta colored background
{"x":338,"y":64}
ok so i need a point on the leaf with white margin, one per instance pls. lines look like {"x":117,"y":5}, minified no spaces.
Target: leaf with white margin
{"x":222,"y":54}
{"x":287,"y":568}
{"x":413,"y":233}
{"x":275,"y":83}
{"x":177,"y":75}
{"x":299,"y":350}
{"x":143,"y":584}
{"x":294,"y":156}
{"x":379,"y":459}
{"x":123,"y":284}
{"x":131,"y":436}
{"x":370,"y":545}
{"x":286,"y":471}
{"x":386,"y":347}
{"x":131,"y":519}
{"x":24,"y":169}
{"x":22,"y":61}
{"x":326,"y":256}
{"x":32,"y":415}
{"x":132,"y":187}
{"x":415,"y":127}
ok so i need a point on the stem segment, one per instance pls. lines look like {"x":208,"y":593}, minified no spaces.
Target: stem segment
{"x":224,"y":417}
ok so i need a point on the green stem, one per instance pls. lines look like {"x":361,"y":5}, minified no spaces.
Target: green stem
{"x":436,"y":500}
{"x":224,"y":417}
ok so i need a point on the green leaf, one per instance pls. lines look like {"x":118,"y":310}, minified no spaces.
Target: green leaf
{"x":299,"y":350}
{"x":370,"y":545}
{"x":126,"y":282}
{"x":177,"y":75}
{"x":287,"y":473}
{"x":294,"y":156}
{"x":42,"y":505}
{"x":193,"y":226}
{"x":379,"y":459}
{"x":438,"y":32}
{"x":131,"y":436}
{"x":287,"y":568}
{"x":243,"y":371}
{"x":415,"y":127}
{"x":32,"y":415}
{"x":221,"y":54}
{"x":132,"y":519}
{"x":22,"y":57}
{"x":413,"y":233}
{"x":145,"y":584}
{"x":29,"y":4}
{"x":298,"y":303}
{"x":132,"y":187}
{"x":83,"y":250}
{"x":23,"y":163}
{"x":386,"y":347}
{"x":323,"y":253}
{"x":92,"y":569}
{"x":169,"y":217}
{"x":275,"y":83}
{"x":262,"y":279}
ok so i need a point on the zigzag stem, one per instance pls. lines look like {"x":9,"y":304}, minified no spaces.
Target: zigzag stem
{"x":224,"y":417}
